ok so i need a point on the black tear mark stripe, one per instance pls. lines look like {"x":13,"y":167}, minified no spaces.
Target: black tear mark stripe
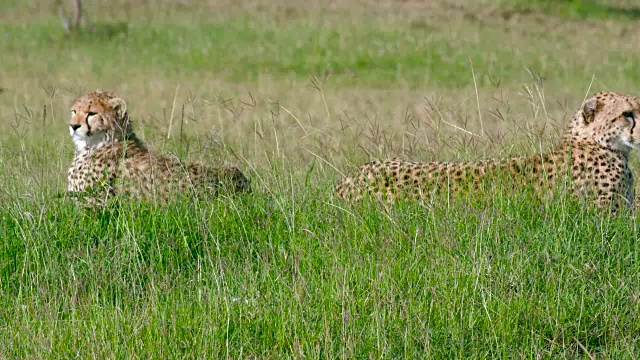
{"x":88,"y":127}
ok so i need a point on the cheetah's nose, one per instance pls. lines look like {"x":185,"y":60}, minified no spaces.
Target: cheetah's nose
{"x":75,"y":127}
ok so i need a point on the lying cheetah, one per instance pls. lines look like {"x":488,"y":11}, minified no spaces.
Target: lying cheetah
{"x":110,"y":159}
{"x":592,"y":155}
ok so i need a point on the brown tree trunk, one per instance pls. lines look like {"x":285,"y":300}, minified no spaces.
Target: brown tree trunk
{"x":76,"y":20}
{"x":77,"y":14}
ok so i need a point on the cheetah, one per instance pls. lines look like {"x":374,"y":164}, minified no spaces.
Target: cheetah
{"x":110,"y":159}
{"x":592,"y":154}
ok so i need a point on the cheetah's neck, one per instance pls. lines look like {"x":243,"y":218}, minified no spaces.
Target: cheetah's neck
{"x":102,"y":140}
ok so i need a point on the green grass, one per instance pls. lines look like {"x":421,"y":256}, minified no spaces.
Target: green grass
{"x":290,"y":271}
{"x":238,"y":50}
{"x":244,"y":46}
{"x":299,"y":276}
{"x":582,"y":9}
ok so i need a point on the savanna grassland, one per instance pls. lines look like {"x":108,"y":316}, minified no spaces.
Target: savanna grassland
{"x":296,"y":95}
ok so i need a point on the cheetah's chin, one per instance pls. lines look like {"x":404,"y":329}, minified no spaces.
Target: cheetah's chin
{"x":82,"y":142}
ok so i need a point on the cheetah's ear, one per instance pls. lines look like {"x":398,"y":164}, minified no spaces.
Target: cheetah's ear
{"x":119,"y":106}
{"x":589,"y":109}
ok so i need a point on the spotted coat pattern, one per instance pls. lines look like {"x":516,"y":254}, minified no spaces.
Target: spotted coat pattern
{"x":110,"y":159}
{"x":592,"y":158}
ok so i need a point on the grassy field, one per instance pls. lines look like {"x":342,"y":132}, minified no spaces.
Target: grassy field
{"x":297,"y":95}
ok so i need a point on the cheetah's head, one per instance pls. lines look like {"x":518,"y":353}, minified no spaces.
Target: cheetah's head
{"x":97,"y":118}
{"x":609,"y":119}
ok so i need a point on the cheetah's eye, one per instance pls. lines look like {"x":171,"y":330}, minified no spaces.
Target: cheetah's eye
{"x":73,"y":112}
{"x":91,"y":113}
{"x":629,"y":115}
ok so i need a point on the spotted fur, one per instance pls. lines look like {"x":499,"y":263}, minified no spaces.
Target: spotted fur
{"x":109,"y":158}
{"x":592,"y":157}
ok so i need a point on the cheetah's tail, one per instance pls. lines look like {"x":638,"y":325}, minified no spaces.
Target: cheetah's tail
{"x":348,"y":190}
{"x":235,"y":179}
